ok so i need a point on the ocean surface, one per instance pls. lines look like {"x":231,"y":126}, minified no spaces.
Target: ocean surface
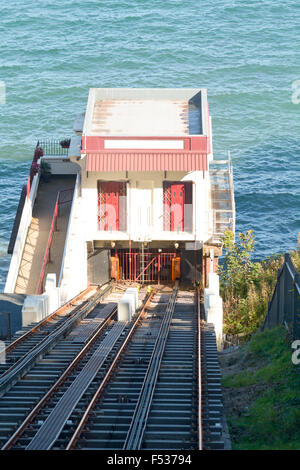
{"x":246,"y":54}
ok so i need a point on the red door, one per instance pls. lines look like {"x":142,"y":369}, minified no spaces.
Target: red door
{"x":167,"y":205}
{"x":177,"y":206}
{"x":111,"y":205}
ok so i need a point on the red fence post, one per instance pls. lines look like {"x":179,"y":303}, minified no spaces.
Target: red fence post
{"x":28,"y":187}
{"x":158,"y":274}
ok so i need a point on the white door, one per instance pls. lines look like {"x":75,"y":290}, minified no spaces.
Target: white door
{"x":144,"y":216}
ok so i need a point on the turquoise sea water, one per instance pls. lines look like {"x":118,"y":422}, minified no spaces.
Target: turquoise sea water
{"x":245,"y":53}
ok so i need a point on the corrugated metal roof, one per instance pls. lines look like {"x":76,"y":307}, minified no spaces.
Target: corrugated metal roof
{"x":146,"y":161}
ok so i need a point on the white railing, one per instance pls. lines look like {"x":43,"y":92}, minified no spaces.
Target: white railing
{"x":21,"y":238}
{"x":222,"y":194}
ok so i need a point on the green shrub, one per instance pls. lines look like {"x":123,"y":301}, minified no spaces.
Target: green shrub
{"x":247,"y":286}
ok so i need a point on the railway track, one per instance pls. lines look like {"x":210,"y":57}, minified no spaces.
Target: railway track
{"x":151,"y":399}
{"x":116,"y":385}
{"x":38,"y":347}
{"x":46,"y":363}
{"x":211,"y":392}
{"x":32,"y":335}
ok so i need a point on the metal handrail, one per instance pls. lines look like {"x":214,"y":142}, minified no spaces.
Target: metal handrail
{"x":52,"y":147}
{"x":227,"y":187}
{"x":53,"y":228}
{"x":149,"y":264}
{"x":33,"y":167}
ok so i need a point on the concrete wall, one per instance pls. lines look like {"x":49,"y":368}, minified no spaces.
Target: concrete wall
{"x":10,"y":314}
{"x":38,"y":307}
{"x":73,"y":275}
{"x":61,"y":166}
{"x":21,"y":238}
{"x":99,"y":266}
{"x":213,"y":307}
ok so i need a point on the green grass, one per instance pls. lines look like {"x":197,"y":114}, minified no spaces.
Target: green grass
{"x":272,"y":420}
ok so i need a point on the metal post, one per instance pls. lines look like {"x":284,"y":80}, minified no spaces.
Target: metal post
{"x":130,"y":260}
{"x":268,"y":314}
{"x":195,"y":263}
{"x":158,"y":274}
{"x":285,"y":288}
{"x":142,"y":261}
{"x":296,"y":313}
{"x":278,"y":296}
{"x":8,"y":320}
{"x":212,"y":255}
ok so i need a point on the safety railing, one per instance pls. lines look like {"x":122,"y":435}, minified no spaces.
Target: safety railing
{"x":34,"y":168}
{"x":222,"y":196}
{"x":146,"y":267}
{"x":222,"y":220}
{"x":55,"y":147}
{"x":284,"y":307}
{"x":28,"y":187}
{"x":51,"y":147}
{"x":63,"y":197}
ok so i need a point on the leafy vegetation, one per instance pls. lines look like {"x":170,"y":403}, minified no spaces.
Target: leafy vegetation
{"x":45,"y":167}
{"x":247,"y":286}
{"x":271,"y":419}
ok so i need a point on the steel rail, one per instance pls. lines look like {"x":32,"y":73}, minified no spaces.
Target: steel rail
{"x":139,"y":420}
{"x":73,"y":313}
{"x":200,"y":444}
{"x":76,"y":435}
{"x":46,"y":320}
{"x":17,"y":434}
{"x":212,"y":407}
{"x":172,"y":422}
{"x":49,"y":432}
{"x":23,"y":365}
